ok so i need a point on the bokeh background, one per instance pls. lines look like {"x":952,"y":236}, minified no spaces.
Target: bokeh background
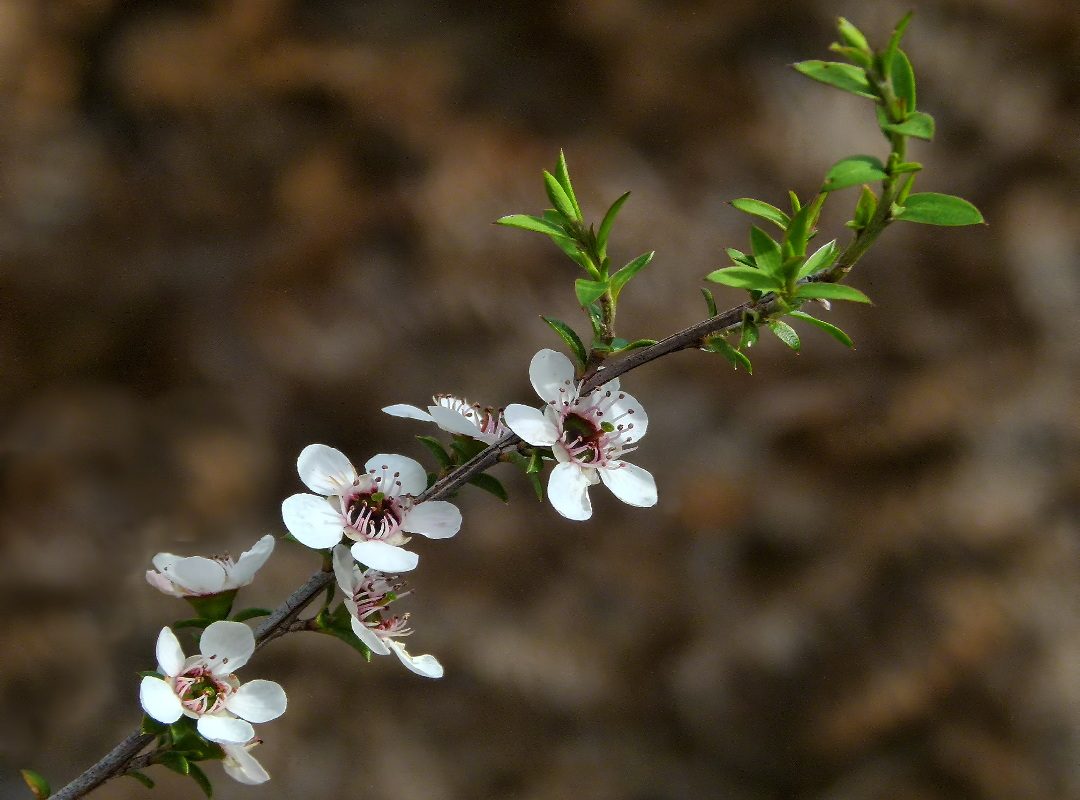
{"x":229,"y":229}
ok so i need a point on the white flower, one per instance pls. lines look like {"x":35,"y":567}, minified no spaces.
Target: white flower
{"x":204,"y":687}
{"x":589,"y":434}
{"x":457,"y":415}
{"x":375,"y":509}
{"x":367,"y":595}
{"x":241,"y":765}
{"x":196,"y":576}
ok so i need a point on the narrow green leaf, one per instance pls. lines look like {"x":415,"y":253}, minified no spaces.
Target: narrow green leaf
{"x":745,"y":278}
{"x":194,"y":622}
{"x":766,"y":252}
{"x":490,"y":484}
{"x":828,"y":327}
{"x":176,"y":762}
{"x":795,"y":204}
{"x":574,"y":252}
{"x":562,"y":175}
{"x":710,"y":301}
{"x":759,"y":208}
{"x":887,"y":58}
{"x":536,"y":463}
{"x":718,"y":344}
{"x":739,"y":257}
{"x":622,"y":346}
{"x":851,"y":35}
{"x":749,"y":335}
{"x":623,"y":276}
{"x":907,"y":166}
{"x":149,"y":724}
{"x":538,"y":486}
{"x":830,"y":291}
{"x":200,"y":778}
{"x":853,"y":54}
{"x":852,"y":171}
{"x":903,"y":81}
{"x":842,"y":76}
{"x":527,"y":222}
{"x":436,"y":449}
{"x":251,"y":613}
{"x":918,"y":124}
{"x":566,"y":333}
{"x":141,"y":777}
{"x":589,"y":292}
{"x":785,"y":333}
{"x":36,"y":782}
{"x":865,"y":208}
{"x":823,"y":258}
{"x":802,"y":225}
{"x":932,"y":208}
{"x":466,"y":447}
{"x":605,"y":224}
{"x":558,"y":197}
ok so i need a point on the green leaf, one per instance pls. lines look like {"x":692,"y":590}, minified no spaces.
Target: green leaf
{"x":566,"y":333}
{"x":823,"y":258}
{"x":149,"y":724}
{"x":745,"y":278}
{"x":538,"y":486}
{"x":710,"y":301}
{"x":853,"y":54}
{"x":36,"y":782}
{"x":623,"y":276}
{"x":785,"y":333}
{"x":864,"y":209}
{"x":830,"y":291}
{"x":852,"y":171}
{"x":251,"y":613}
{"x":795,"y":204}
{"x":176,"y":762}
{"x":907,"y":166}
{"x":739,"y":257}
{"x":589,"y":292}
{"x":851,"y":35}
{"x":759,"y":208}
{"x":436,"y":449}
{"x":932,"y":208}
{"x":142,"y":778}
{"x":802,"y":225}
{"x":605,"y":224}
{"x":490,"y":484}
{"x":466,"y":447}
{"x":562,"y":175}
{"x":842,"y":76}
{"x":558,"y":197}
{"x":749,"y":335}
{"x":200,"y":778}
{"x":194,"y":622}
{"x":530,"y":223}
{"x":829,"y":328}
{"x":887,"y":58}
{"x":918,"y":124}
{"x":766,"y":252}
{"x":536,"y":463}
{"x":903,"y":81}
{"x":719,"y":344}
{"x":622,"y":346}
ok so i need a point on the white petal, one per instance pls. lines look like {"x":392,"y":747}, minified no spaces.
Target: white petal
{"x":453,"y":421}
{"x":638,"y":418}
{"x":366,"y":635}
{"x":633,"y":485}
{"x":162,"y":560}
{"x":223,"y":729}
{"x":410,"y":474}
{"x":312,"y":520}
{"x":241,"y":766}
{"x":408,"y":412}
{"x":170,"y":656}
{"x":162,"y":584}
{"x":325,"y":470}
{"x":425,"y":665}
{"x":530,"y":424}
{"x":345,"y":570}
{"x":384,"y":557}
{"x":250,"y":562}
{"x":197,"y":575}
{"x":227,"y":646}
{"x":258,"y":701}
{"x":568,"y":490}
{"x":552,"y":376}
{"x":159,"y":700}
{"x":435,"y":519}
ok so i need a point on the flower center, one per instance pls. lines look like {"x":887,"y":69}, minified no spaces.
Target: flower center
{"x":373,"y":514}
{"x":581,"y":434}
{"x":200,"y":692}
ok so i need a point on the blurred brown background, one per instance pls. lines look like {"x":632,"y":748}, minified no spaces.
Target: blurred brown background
{"x":229,"y":229}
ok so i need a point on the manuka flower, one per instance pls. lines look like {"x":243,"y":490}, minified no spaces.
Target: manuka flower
{"x":204,"y":687}
{"x":374,"y":508}
{"x":367,"y":595}
{"x":241,"y":765}
{"x":588,"y":433}
{"x":457,"y":415}
{"x":195,"y":576}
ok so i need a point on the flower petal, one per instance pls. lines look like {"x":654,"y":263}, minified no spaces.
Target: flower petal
{"x":408,"y":412}
{"x":325,"y":470}
{"x":197,"y":575}
{"x":258,"y":701}
{"x":162,"y":584}
{"x":241,"y":766}
{"x":227,"y":646}
{"x":250,"y":562}
{"x":345,"y":570}
{"x":425,"y":665}
{"x":312,"y":520}
{"x":453,"y":421}
{"x":568,"y":489}
{"x":159,"y":700}
{"x":435,"y":519}
{"x":366,"y":635}
{"x":162,"y":560}
{"x":629,"y":412}
{"x":170,"y":656}
{"x":531,"y":425}
{"x":633,"y":485}
{"x":225,"y":729}
{"x":384,"y":557}
{"x":407,"y":472}
{"x":552,"y":376}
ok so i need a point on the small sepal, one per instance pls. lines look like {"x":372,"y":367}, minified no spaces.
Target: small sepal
{"x":35,"y":781}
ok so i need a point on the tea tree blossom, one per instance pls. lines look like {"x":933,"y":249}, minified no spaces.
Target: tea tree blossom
{"x":457,"y":415}
{"x":588,"y":433}
{"x":241,"y":765}
{"x":367,"y":595}
{"x":204,"y":688}
{"x":195,"y":576}
{"x":374,"y":508}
